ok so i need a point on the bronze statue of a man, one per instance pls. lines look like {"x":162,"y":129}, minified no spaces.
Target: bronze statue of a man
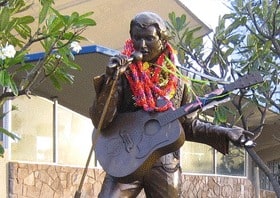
{"x":140,"y":85}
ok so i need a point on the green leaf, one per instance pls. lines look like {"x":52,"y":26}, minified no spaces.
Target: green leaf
{"x":63,"y":18}
{"x":55,"y":82}
{"x":1,"y":151}
{"x":68,"y":36}
{"x":7,"y":81}
{"x":74,"y":17}
{"x":13,"y":86}
{"x":229,"y":16}
{"x":63,"y":76}
{"x":26,"y":19}
{"x":56,"y":13}
{"x":233,"y":26}
{"x":18,"y":6}
{"x":86,"y":14}
{"x":85,"y":22}
{"x":10,"y":134}
{"x":23,"y":6}
{"x":72,"y":65}
{"x":171,"y":17}
{"x":196,"y":43}
{"x":23,"y":30}
{"x":5,"y":113}
{"x":11,"y":62}
{"x":221,"y":114}
{"x":25,"y":67}
{"x":4,"y":78}
{"x":12,"y":23}
{"x":55,"y":25}
{"x":44,"y":11}
{"x":4,"y":16}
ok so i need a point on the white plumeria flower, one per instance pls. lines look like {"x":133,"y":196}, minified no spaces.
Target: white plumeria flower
{"x":9,"y":51}
{"x":75,"y":46}
{"x":57,"y":56}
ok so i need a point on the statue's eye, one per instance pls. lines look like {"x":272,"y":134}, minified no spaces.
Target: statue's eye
{"x":137,"y":38}
{"x":150,"y":38}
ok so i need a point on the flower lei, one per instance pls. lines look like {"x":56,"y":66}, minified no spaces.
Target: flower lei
{"x":150,"y":82}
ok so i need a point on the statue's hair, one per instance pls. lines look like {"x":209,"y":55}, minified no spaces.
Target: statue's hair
{"x":147,"y":19}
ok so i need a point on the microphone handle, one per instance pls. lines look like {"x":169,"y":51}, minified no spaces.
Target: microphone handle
{"x":129,"y":60}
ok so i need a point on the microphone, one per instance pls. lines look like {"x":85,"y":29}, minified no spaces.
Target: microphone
{"x":136,"y":56}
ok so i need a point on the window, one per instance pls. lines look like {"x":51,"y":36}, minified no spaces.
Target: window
{"x":34,"y":123}
{"x":197,"y":158}
{"x":200,"y":158}
{"x":232,"y":163}
{"x":274,"y":166}
{"x":74,"y":137}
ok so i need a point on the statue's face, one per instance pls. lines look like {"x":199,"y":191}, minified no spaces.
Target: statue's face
{"x":147,"y":41}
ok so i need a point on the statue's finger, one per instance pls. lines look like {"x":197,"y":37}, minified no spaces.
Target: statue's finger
{"x":248,"y":133}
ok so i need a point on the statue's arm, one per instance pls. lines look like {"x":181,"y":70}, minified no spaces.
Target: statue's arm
{"x":106,"y":100}
{"x":213,"y":135}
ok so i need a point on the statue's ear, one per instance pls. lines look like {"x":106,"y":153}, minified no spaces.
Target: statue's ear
{"x":164,"y":42}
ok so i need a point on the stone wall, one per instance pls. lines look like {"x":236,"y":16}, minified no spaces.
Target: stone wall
{"x":3,"y":175}
{"x":214,"y":186}
{"x":52,"y":181}
{"x":267,"y":194}
{"x":49,"y":181}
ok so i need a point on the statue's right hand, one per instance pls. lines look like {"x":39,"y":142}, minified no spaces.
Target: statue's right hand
{"x":119,"y":61}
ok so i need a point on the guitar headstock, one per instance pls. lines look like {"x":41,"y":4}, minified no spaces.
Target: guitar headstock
{"x":244,"y":81}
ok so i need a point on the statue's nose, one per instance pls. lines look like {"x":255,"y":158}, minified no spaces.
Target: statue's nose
{"x":142,"y":43}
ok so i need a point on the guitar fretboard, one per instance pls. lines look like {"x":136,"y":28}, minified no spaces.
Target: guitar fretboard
{"x":217,"y":95}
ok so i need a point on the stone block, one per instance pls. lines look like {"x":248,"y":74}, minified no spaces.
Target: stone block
{"x":29,"y":180}
{"x":32,"y":192}
{"x":22,"y":173}
{"x":46,"y":191}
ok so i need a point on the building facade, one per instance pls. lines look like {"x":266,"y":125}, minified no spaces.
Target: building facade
{"x":56,"y":132}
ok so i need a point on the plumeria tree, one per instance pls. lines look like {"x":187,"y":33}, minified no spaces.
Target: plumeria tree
{"x":246,"y":40}
{"x":57,"y":35}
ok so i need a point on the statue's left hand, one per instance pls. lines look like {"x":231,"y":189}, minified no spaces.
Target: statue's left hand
{"x":241,"y":137}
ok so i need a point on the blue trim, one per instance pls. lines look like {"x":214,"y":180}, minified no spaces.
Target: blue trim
{"x":34,"y":57}
{"x":98,"y":49}
{"x":85,"y":50}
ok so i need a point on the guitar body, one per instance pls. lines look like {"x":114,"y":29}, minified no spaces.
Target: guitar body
{"x":134,"y":141}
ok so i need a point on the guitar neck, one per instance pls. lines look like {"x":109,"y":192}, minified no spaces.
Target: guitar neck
{"x":216,"y":96}
{"x":199,"y":103}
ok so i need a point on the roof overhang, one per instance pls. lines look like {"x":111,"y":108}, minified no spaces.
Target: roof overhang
{"x":77,"y":96}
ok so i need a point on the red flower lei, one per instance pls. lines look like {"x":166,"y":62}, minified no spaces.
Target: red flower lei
{"x":150,"y":83}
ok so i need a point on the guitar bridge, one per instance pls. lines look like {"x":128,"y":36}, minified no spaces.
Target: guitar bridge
{"x":127,"y":141}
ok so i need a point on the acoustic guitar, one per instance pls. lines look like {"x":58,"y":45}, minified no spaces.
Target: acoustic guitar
{"x":134,"y":141}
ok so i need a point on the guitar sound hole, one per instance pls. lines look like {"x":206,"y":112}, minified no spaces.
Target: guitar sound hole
{"x":151,"y":127}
